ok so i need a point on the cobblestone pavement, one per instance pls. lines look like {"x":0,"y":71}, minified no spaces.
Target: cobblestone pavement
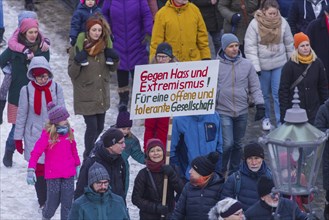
{"x":57,"y":15}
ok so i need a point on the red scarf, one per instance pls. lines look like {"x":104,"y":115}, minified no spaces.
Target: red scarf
{"x":38,"y":93}
{"x":154,"y":167}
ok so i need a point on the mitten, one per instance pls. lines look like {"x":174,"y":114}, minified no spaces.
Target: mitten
{"x":161,"y":209}
{"x":147,"y":39}
{"x":168,"y":170}
{"x":235,"y":19}
{"x":45,"y":44}
{"x":259,"y":73}
{"x":7,"y":69}
{"x":111,"y":53}
{"x":81,"y":57}
{"x":260,"y":112}
{"x":73,"y":40}
{"x":31,"y":178}
{"x":77,"y":170}
{"x":19,"y":146}
{"x":28,"y":53}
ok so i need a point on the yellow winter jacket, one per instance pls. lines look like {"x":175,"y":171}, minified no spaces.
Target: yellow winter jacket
{"x":184,"y":29}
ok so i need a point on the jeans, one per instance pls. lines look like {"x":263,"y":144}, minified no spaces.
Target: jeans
{"x":94,"y":127}
{"x":270,"y":83}
{"x":216,"y":40}
{"x":10,"y":143}
{"x":233,"y":130}
{"x":123,"y":77}
{"x":1,"y":15}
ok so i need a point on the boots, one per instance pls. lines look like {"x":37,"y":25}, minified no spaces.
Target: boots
{"x":124,"y":98}
{"x":8,"y":158}
{"x":2,"y":107}
{"x":326,"y":211}
{"x":2,"y":41}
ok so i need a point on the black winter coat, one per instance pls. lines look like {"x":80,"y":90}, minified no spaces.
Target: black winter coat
{"x":317,"y":31}
{"x":211,"y":16}
{"x":262,"y":211}
{"x":115,"y":166}
{"x":322,"y":123}
{"x":312,"y":90}
{"x":146,"y":198}
{"x":196,"y":202}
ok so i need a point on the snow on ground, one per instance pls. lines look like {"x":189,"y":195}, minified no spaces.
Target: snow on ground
{"x":18,"y":200}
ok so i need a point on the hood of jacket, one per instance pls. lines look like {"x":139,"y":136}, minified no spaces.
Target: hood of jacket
{"x":39,"y":62}
{"x":255,"y":175}
{"x":97,"y":197}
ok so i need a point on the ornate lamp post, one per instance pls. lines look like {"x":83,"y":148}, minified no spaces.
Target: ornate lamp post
{"x":295,"y":152}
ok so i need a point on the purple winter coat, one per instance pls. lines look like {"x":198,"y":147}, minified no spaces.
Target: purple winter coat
{"x":130,"y":20}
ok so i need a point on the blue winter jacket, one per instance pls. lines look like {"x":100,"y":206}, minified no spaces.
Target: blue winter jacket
{"x":301,"y":14}
{"x":92,"y":205}
{"x":201,"y":133}
{"x":79,"y":18}
{"x":196,"y":202}
{"x":247,"y":194}
{"x":286,"y":207}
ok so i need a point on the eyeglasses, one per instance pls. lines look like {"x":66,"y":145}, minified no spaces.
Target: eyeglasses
{"x":160,"y":57}
{"x":104,"y":183}
{"x":42,"y":77}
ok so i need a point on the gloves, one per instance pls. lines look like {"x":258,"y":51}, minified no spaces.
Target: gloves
{"x":260,"y":112}
{"x":45,"y":45}
{"x":77,"y":170}
{"x":111,"y":53}
{"x":19,"y":146}
{"x":259,"y":73}
{"x":161,"y":209}
{"x":147,"y":39}
{"x":81,"y":56}
{"x":7,"y":69}
{"x":28,"y":53}
{"x":31,"y":178}
{"x":236,"y":18}
{"x":168,"y":170}
{"x":73,"y":40}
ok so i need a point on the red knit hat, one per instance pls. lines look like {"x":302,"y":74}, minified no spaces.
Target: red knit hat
{"x":299,"y":38}
{"x":153,"y":142}
{"x":27,"y":24}
{"x":38,"y":71}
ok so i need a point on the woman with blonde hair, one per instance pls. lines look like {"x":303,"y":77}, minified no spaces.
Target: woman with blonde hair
{"x":227,"y":209}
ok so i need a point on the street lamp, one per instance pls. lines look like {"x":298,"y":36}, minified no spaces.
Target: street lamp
{"x":295,"y":151}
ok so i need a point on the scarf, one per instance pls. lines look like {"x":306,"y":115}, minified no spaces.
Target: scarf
{"x":305,"y":59}
{"x":269,"y":28}
{"x":154,"y":167}
{"x":94,"y":47}
{"x":201,"y":181}
{"x":32,"y":46}
{"x":38,"y":94}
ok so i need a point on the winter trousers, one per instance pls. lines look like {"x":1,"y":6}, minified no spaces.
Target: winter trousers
{"x":123,"y":77}
{"x":5,"y":87}
{"x":59,"y":191}
{"x":94,"y":127}
{"x":41,"y":185}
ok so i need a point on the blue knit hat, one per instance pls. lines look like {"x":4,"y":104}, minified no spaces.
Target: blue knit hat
{"x":227,"y":39}
{"x":164,"y":48}
{"x":26,"y":14}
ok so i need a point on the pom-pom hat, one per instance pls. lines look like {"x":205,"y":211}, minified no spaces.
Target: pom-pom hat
{"x":56,"y":113}
{"x":123,"y":119}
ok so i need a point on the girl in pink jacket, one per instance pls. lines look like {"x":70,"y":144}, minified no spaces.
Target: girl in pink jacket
{"x":61,"y":162}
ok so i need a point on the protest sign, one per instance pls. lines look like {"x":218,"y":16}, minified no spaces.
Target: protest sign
{"x":174,"y":89}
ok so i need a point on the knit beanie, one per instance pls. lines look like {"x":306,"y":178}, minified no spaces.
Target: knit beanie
{"x":92,"y":21}
{"x":96,"y":173}
{"x":39,"y":71}
{"x":299,"y":38}
{"x":153,"y":142}
{"x":264,"y":186}
{"x":253,"y":149}
{"x":205,"y":165}
{"x":123,"y":119}
{"x":224,"y":208}
{"x":165,"y":48}
{"x":26,"y":14}
{"x":83,"y":1}
{"x":111,"y":137}
{"x":56,"y":113}
{"x":27,"y":24}
{"x":227,"y":39}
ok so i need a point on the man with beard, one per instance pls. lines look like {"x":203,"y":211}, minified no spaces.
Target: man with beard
{"x":271,"y":203}
{"x":98,"y":202}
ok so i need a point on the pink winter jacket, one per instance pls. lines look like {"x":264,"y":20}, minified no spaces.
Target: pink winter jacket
{"x":60,"y":160}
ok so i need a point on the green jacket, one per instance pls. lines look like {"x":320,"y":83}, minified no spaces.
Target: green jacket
{"x":92,"y":205}
{"x":19,"y":66}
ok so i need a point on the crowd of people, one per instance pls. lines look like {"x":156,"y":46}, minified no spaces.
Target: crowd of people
{"x":212,"y":173}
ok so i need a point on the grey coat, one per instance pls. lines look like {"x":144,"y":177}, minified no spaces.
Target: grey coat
{"x":28,"y":124}
{"x":235,"y":81}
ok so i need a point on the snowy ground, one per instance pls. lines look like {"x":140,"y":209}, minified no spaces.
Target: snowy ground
{"x":18,"y":200}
